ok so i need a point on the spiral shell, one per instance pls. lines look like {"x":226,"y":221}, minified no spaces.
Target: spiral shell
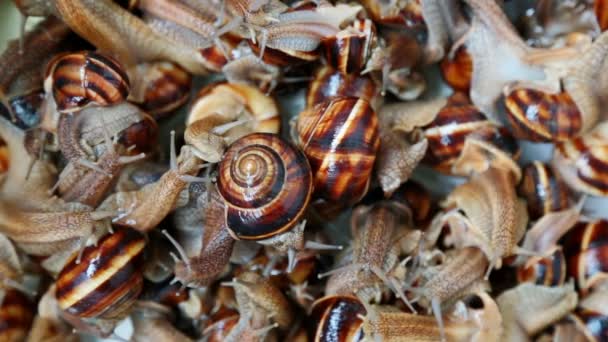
{"x":549,"y":271}
{"x":458,"y":71}
{"x":328,"y":83}
{"x":449,"y":130}
{"x":77,"y":79}
{"x":349,"y":50}
{"x":167,"y":87}
{"x":266,"y":184}
{"x":16,"y":315}
{"x":340,"y":138}
{"x":337,"y":318}
{"x":538,"y":116}
{"x":544,"y":191}
{"x":586,"y":251}
{"x":108,"y":279}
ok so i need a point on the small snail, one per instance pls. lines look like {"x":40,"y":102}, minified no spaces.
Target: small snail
{"x":457,"y":71}
{"x":328,"y":83}
{"x":77,"y":79}
{"x":349,"y":50}
{"x":340,"y":137}
{"x":106,"y":280}
{"x":337,"y":318}
{"x":544,"y":191}
{"x":546,"y":270}
{"x":166,"y":87}
{"x":266,"y":184}
{"x":16,"y":315}
{"x":585,"y":247}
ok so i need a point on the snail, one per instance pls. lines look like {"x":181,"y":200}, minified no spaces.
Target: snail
{"x":16,"y":315}
{"x":105,"y":281}
{"x":337,"y":317}
{"x":340,"y":138}
{"x":322,"y":87}
{"x":78,"y":79}
{"x":457,"y":70}
{"x":549,"y":270}
{"x":350,"y":48}
{"x":544,"y":190}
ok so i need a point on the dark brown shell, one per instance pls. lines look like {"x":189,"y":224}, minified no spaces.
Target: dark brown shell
{"x":586,"y":250}
{"x":283,"y":58}
{"x":340,"y":137}
{"x":457,"y":72}
{"x":349,"y":49}
{"x":538,"y":116}
{"x":4,"y":158}
{"x":595,"y":324}
{"x":453,"y":124}
{"x":328,"y":83}
{"x":266,"y":183}
{"x":419,"y":200}
{"x":337,"y":318}
{"x":388,"y":13}
{"x":108,"y":279}
{"x":544,"y":191}
{"x":26,"y":108}
{"x":549,"y":271}
{"x":600,"y":8}
{"x":16,"y":315}
{"x":592,"y":169}
{"x":80,"y":78}
{"x":140,"y":137}
{"x":166,"y":292}
{"x":167,"y":88}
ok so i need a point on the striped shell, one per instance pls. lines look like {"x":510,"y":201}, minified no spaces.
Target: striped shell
{"x":16,"y":315}
{"x":449,"y":130}
{"x":167,"y":87}
{"x":108,"y":279}
{"x":349,"y":50}
{"x":544,"y":191}
{"x":390,"y":13}
{"x":328,"y":83}
{"x":583,"y":161}
{"x":266,"y":184}
{"x":600,"y":8}
{"x":337,"y":318}
{"x":538,"y":116}
{"x":549,"y":271}
{"x":458,"y":71}
{"x":4,"y":158}
{"x":77,"y":79}
{"x":586,"y":251}
{"x":340,"y":138}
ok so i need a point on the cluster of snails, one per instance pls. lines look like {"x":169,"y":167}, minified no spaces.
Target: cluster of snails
{"x":239,"y":170}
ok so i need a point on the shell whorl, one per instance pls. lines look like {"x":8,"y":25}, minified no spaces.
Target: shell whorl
{"x":266,"y":184}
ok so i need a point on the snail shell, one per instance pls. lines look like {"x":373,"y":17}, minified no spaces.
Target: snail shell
{"x":16,"y":315}
{"x":4,"y":158}
{"x":544,"y":191}
{"x":457,"y":72}
{"x":266,"y":184}
{"x":77,"y":79}
{"x":108,"y":279}
{"x":328,"y":83}
{"x":349,"y":49}
{"x":337,"y":318}
{"x":600,"y":8}
{"x":537,"y":116}
{"x":549,"y":271}
{"x":586,"y":247}
{"x":340,"y":137}
{"x":166,"y":88}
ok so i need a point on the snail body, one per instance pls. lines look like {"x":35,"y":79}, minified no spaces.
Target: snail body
{"x":266,"y":184}
{"x":340,"y":137}
{"x":77,"y":79}
{"x":107,"y":280}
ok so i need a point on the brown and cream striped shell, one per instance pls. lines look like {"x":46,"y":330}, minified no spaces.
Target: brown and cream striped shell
{"x":266,"y":184}
{"x":457,"y":72}
{"x":166,"y":88}
{"x":328,"y":83}
{"x":108,"y":279}
{"x":586,"y":251}
{"x":547,"y":270}
{"x":537,"y":116}
{"x":77,"y":79}
{"x":454,"y":123}
{"x":349,"y":49}
{"x":544,"y":191}
{"x":340,"y":138}
{"x":583,"y":161}
{"x":337,"y":318}
{"x":16,"y":315}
